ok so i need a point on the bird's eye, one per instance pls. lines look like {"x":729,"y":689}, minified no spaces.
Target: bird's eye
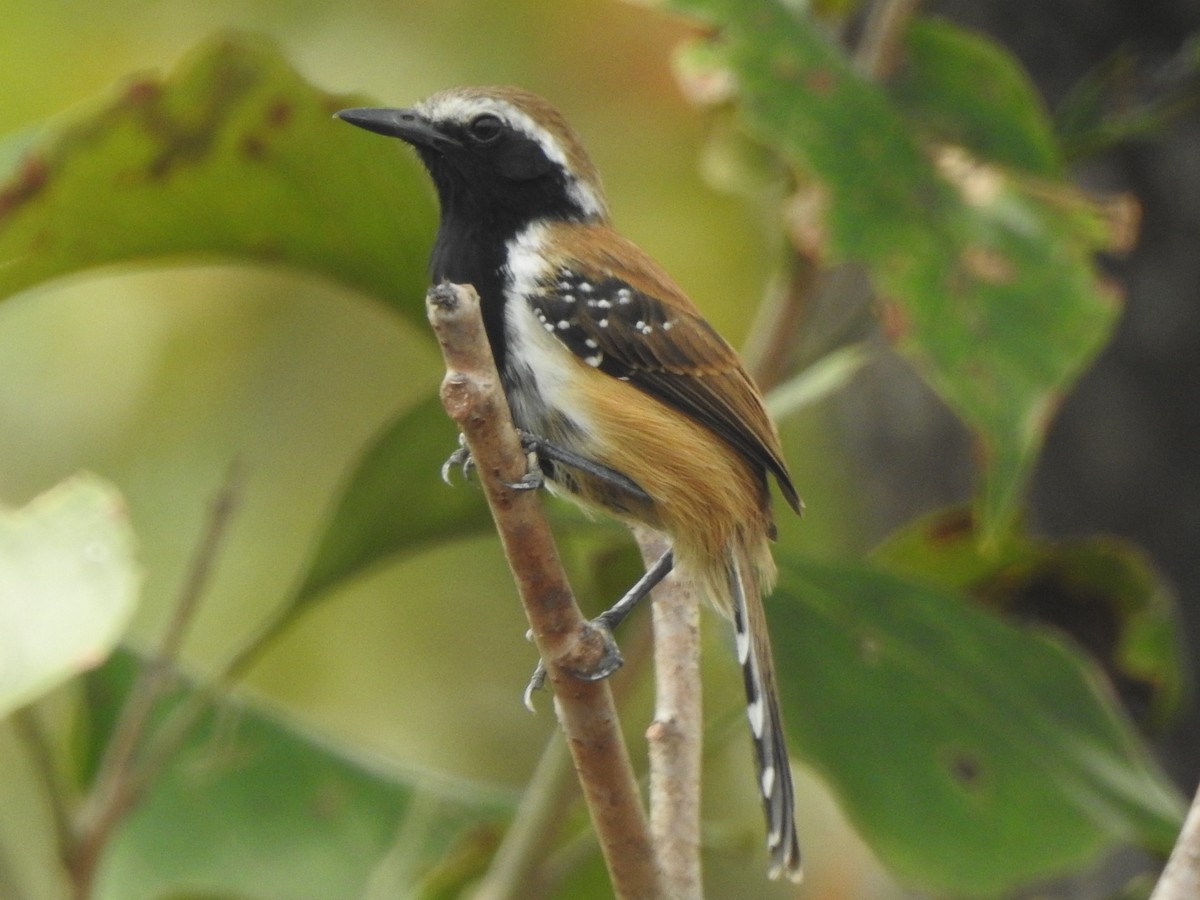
{"x":486,"y":128}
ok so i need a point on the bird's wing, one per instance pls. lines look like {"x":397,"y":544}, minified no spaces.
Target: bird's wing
{"x":615,"y":309}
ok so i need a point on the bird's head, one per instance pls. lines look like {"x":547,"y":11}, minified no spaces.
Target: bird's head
{"x":496,"y":151}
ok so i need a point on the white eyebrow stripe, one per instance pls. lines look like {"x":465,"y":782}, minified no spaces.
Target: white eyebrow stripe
{"x":462,"y":108}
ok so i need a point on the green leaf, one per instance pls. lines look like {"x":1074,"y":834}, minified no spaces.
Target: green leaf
{"x":987,"y":277}
{"x":394,"y":502}
{"x":972,"y":755}
{"x":967,"y":90}
{"x":231,"y":156}
{"x":68,"y":586}
{"x":1100,"y":591}
{"x":255,"y":806}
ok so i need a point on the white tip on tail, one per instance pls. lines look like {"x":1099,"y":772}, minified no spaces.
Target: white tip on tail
{"x":766,"y":724}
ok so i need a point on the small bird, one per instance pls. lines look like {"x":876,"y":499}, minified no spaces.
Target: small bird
{"x":635,"y":406}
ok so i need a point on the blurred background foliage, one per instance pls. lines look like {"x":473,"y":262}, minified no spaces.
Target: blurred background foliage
{"x":403,"y":742}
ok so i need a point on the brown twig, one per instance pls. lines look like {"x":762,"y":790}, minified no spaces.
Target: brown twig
{"x":675,"y":735}
{"x":473,"y":397}
{"x":123,"y":777}
{"x":526,"y":866}
{"x":771,"y":347}
{"x":879,"y":51}
{"x":28,"y":727}
{"x":1180,"y":879}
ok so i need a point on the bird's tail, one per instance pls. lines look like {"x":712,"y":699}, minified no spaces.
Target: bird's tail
{"x":746,"y":585}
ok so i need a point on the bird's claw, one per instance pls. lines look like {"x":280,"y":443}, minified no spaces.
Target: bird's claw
{"x":537,"y":681}
{"x":460,"y":459}
{"x":530,"y":481}
{"x":598,"y":668}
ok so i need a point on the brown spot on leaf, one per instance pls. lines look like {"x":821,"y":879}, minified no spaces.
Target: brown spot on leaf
{"x":804,"y":218}
{"x":987,"y":265}
{"x":821,"y":82}
{"x":1124,"y":215}
{"x":253,"y":147}
{"x":142,"y":92}
{"x":30,"y":179}
{"x":279,"y":113}
{"x":952,"y":525}
{"x":894,"y":319}
{"x":965,"y":768}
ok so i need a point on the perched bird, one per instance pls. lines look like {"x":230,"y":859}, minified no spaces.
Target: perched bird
{"x":636,"y":406}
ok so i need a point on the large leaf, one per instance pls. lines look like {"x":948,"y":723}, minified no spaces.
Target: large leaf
{"x":254,"y":806}
{"x":974,"y":756}
{"x":68,"y":586}
{"x":393,"y":502}
{"x":1099,"y":590}
{"x":996,"y":112}
{"x":988,"y":276}
{"x":233,"y":156}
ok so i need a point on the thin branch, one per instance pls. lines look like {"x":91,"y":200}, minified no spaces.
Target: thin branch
{"x":771,"y":347}
{"x":473,"y":397}
{"x":879,"y":52}
{"x":522,"y":868}
{"x":1180,"y":880}
{"x":120,"y":781}
{"x":41,"y":755}
{"x":675,"y":736}
{"x":533,"y":832}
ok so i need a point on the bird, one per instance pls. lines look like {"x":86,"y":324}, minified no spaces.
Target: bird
{"x":632,"y":403}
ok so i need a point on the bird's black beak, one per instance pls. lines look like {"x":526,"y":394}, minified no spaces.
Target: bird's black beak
{"x":406,"y":124}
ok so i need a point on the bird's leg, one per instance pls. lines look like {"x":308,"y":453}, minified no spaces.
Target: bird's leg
{"x":554,"y":453}
{"x":605,"y":623}
{"x":540,"y":448}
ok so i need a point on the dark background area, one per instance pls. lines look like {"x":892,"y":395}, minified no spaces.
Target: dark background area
{"x":1121,"y":457}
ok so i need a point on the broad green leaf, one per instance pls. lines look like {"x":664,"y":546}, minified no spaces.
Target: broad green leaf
{"x":1099,"y":590}
{"x":994,"y":111}
{"x":68,"y":586}
{"x":231,"y":156}
{"x":988,"y":277}
{"x":972,"y":755}
{"x":255,"y":806}
{"x":394,"y":502}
